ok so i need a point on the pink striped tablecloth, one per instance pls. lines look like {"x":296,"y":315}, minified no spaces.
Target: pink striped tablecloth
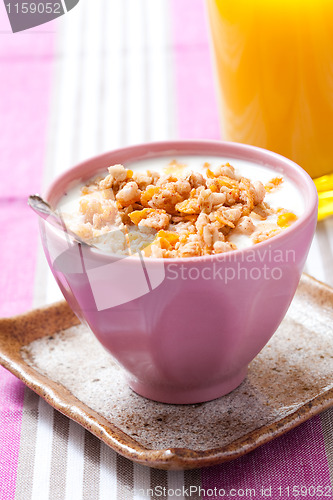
{"x":111,"y":73}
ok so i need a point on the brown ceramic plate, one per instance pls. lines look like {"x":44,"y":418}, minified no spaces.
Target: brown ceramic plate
{"x":288,"y":382}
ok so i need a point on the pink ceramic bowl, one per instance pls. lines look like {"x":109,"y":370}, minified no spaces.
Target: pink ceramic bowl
{"x":184,"y":330}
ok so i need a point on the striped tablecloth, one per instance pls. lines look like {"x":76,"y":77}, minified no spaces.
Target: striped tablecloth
{"x":107,"y":74}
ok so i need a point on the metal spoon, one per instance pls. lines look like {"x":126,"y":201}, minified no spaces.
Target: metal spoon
{"x":46,"y":212}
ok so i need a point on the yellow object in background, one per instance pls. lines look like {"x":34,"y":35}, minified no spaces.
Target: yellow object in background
{"x":324,"y":187}
{"x":274,"y":61}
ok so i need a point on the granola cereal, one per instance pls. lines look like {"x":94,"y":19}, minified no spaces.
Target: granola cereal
{"x":177,"y":212}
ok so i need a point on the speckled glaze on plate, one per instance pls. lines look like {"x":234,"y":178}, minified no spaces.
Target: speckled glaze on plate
{"x":288,"y":382}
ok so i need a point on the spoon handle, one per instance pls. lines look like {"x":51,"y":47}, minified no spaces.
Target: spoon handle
{"x":46,"y":212}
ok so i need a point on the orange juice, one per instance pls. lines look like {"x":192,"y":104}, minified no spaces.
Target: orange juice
{"x":274,"y":61}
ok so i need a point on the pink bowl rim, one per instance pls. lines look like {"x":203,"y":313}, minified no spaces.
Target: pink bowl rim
{"x":236,"y":150}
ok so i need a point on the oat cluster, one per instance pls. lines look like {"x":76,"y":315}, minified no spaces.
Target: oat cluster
{"x":183,"y":215}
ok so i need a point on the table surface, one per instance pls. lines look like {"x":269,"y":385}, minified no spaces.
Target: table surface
{"x":108,"y":74}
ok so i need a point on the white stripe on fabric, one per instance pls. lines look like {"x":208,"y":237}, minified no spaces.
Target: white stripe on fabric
{"x":75,"y":459}
{"x":158,"y":70}
{"x":90,"y":81}
{"x":314,"y":265}
{"x":113,"y":76}
{"x":108,"y":473}
{"x":135,"y":85}
{"x":329,"y":229}
{"x":43,"y":451}
{"x":176,"y":484}
{"x":53,"y":293}
{"x":141,"y":482}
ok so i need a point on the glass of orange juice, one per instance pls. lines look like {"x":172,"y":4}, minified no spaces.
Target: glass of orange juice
{"x":274,"y":62}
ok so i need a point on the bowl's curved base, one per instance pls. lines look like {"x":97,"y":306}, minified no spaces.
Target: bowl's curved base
{"x":174,"y":395}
